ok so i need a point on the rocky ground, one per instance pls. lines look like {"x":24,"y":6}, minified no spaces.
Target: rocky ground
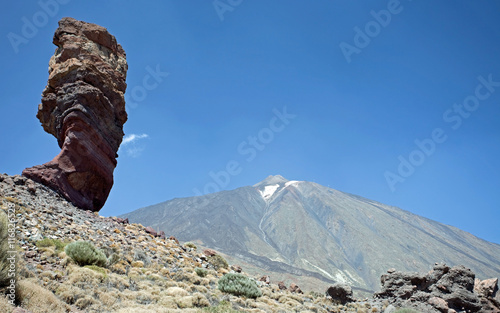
{"x":152,"y":273}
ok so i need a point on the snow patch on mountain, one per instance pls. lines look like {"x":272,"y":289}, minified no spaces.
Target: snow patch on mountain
{"x":268,"y":191}
{"x":292,"y":183}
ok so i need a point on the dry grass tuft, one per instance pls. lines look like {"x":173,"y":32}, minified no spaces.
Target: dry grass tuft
{"x":37,"y":299}
{"x":176,"y":292}
{"x":5,"y":305}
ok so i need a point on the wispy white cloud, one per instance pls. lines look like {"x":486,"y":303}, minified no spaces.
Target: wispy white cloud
{"x":133,"y":138}
{"x":131,"y":146}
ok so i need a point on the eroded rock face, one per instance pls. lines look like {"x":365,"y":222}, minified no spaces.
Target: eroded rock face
{"x":443,"y":289}
{"x":83,"y":106}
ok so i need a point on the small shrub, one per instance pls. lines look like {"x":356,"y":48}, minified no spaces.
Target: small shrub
{"x":98,"y":269}
{"x":5,"y":306}
{"x":222,"y":307}
{"x":35,"y":298}
{"x":202,"y":272}
{"x":218,"y":262}
{"x":191,"y":245}
{"x":239,"y":285}
{"x":140,"y":255}
{"x":85,"y":253}
{"x":113,"y":259}
{"x":315,"y":294}
{"x":47,"y":242}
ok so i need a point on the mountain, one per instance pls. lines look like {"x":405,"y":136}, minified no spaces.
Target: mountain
{"x":305,"y":229}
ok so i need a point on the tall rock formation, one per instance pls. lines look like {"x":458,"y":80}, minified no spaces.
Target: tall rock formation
{"x":83,"y":106}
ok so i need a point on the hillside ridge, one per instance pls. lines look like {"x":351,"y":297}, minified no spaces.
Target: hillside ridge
{"x":279,"y":223}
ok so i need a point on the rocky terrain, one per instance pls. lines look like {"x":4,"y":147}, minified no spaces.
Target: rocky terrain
{"x":83,"y":106}
{"x":312,"y":235}
{"x":153,"y":273}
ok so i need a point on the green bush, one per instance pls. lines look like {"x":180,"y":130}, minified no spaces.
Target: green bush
{"x":85,"y":253}
{"x":239,"y":285}
{"x":47,"y":242}
{"x":202,"y":272}
{"x":222,"y":307}
{"x":218,"y":262}
{"x":97,"y":269}
{"x":4,"y":248}
{"x":190,"y":245}
{"x":316,"y":294}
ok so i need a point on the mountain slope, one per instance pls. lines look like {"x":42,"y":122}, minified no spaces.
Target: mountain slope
{"x":307,"y":229}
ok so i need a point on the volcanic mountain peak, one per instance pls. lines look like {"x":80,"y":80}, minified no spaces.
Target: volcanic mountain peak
{"x":305,"y":229}
{"x":272,"y":180}
{"x":273,"y":185}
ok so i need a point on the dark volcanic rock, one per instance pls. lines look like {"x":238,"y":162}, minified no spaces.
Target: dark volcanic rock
{"x":341,"y":293}
{"x":151,"y":231}
{"x":281,"y":285}
{"x":441,"y":289}
{"x":83,"y":106}
{"x":265,"y":279}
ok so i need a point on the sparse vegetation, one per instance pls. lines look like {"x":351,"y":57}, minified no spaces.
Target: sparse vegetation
{"x":316,"y":294}
{"x":218,"y":262}
{"x":85,"y":253}
{"x":202,"y":272}
{"x":47,"y":242}
{"x":4,"y":248}
{"x":131,"y":272}
{"x":98,"y":269}
{"x":239,"y":285}
{"x":38,"y":299}
{"x":139,"y":255}
{"x":190,"y":245}
{"x":222,"y":307}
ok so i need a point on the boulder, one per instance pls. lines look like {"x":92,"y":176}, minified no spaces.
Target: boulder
{"x":487,"y":287}
{"x":150,"y":230}
{"x":265,"y":279}
{"x":488,"y":292}
{"x":162,"y":235}
{"x":340,"y":292}
{"x":123,"y":221}
{"x":209,"y":252}
{"x":441,"y":290}
{"x":83,"y":106}
{"x":236,"y":268}
{"x":281,"y":285}
{"x":294,"y":288}
{"x":173,"y":239}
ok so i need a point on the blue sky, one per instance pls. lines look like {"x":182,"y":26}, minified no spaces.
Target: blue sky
{"x":396,"y":101}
